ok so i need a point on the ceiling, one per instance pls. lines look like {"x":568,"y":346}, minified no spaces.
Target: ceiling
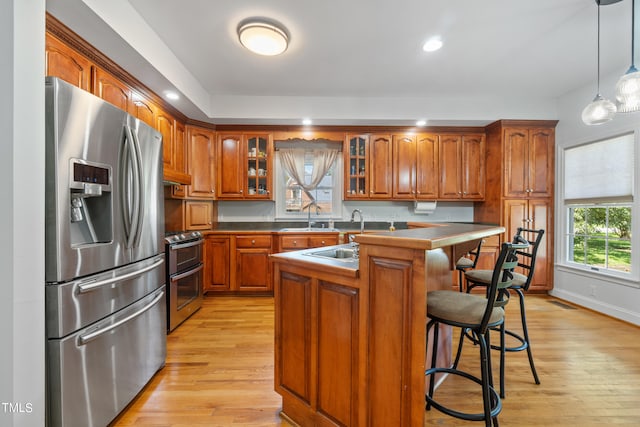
{"x":360,"y":60}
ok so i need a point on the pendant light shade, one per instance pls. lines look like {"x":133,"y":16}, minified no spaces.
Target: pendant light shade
{"x":628,"y":86}
{"x":600,"y":110}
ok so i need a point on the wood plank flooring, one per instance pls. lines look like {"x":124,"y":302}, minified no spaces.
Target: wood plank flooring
{"x":219,"y":371}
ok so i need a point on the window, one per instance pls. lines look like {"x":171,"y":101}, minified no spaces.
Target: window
{"x":599,"y":237}
{"x":598,"y":199}
{"x":292,"y":199}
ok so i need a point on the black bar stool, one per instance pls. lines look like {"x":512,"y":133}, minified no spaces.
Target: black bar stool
{"x":520,"y":284}
{"x":477,"y":314}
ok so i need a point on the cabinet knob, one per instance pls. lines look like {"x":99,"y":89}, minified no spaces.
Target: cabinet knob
{"x":323,"y":242}
{"x":253,"y":242}
{"x":295,"y":243}
{"x":240,"y":191}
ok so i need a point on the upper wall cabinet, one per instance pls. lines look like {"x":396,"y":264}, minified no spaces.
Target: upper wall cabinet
{"x":112,"y":90}
{"x":368,"y":167}
{"x":201,"y":163}
{"x":528,"y":158}
{"x":63,"y":62}
{"x":462,"y":166}
{"x":415,"y":167}
{"x":244,"y":166}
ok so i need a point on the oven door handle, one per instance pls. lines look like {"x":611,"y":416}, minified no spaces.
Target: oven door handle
{"x":186,"y":273}
{"x":185,"y":245}
{"x":91,"y":286}
{"x":84,"y":339}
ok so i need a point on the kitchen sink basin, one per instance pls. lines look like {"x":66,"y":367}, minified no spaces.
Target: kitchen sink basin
{"x":340,"y":254}
{"x":309,"y":229}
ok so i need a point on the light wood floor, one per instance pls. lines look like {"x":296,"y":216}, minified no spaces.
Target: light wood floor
{"x":219,"y":371}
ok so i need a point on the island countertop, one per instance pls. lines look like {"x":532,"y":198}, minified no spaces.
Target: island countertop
{"x":430,"y":236}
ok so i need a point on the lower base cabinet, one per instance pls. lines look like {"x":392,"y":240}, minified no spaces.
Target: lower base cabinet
{"x":217,"y":255}
{"x":317,"y":356}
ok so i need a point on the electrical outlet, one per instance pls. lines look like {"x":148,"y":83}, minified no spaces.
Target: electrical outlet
{"x":593,"y":291}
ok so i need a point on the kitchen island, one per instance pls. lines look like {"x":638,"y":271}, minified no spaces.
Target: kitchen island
{"x":350,"y":334}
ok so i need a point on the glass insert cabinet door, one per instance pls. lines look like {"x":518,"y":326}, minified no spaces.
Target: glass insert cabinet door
{"x":356,"y":164}
{"x":258,"y":167}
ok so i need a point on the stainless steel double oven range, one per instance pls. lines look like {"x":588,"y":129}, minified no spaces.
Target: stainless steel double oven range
{"x":184,"y":276}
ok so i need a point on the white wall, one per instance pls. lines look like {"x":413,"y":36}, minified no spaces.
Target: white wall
{"x":22,"y":394}
{"x":615,"y":297}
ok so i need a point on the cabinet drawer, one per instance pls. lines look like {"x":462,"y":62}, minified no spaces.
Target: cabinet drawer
{"x":317,"y":241}
{"x":294,"y":242}
{"x":253,"y":241}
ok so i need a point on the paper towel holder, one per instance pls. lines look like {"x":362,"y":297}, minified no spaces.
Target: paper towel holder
{"x":424,"y":208}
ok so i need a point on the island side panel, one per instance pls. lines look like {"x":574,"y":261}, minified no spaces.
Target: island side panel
{"x":393,"y":335}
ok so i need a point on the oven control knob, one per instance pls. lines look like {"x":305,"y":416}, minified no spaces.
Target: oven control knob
{"x":196,"y":234}
{"x":181,"y":237}
{"x":173,"y":238}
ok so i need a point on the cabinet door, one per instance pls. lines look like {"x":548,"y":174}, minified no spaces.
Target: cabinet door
{"x":356,"y":184}
{"x":541,"y":162}
{"x":143,"y":109}
{"x":63,"y":62}
{"x":252,"y":269}
{"x":404,"y":167}
{"x":450,"y":162}
{"x":200,"y":163}
{"x":230,"y":166}
{"x":516,"y":172}
{"x":540,"y":211}
{"x":380,"y":167}
{"x":516,"y":214}
{"x":427,"y":168}
{"x":216,"y":264}
{"x":165,"y":124}
{"x":473,"y":168}
{"x":258,"y":165}
{"x":111,"y":89}
{"x":198,"y":215}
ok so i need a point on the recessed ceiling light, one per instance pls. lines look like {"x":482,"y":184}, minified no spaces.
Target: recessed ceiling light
{"x":421,"y":123}
{"x":432,"y":44}
{"x":262,"y":37}
{"x":169,"y":94}
{"x":306,"y":122}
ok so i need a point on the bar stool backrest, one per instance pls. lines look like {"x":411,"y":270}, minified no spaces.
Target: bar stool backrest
{"x":527,"y":257}
{"x":501,"y":279}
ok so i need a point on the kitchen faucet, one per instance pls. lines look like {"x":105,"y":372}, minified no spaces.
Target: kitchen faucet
{"x":308,"y":207}
{"x":359,"y":212}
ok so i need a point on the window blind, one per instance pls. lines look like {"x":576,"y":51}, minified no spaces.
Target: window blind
{"x":600,"y":171}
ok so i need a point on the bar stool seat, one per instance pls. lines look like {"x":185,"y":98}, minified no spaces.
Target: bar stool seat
{"x":465,"y":263}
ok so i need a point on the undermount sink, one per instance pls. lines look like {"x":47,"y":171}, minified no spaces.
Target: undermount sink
{"x":309,"y":229}
{"x":340,"y":254}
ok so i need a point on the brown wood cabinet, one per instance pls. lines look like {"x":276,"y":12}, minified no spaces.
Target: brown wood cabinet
{"x":245,"y":166}
{"x":217,"y":256}
{"x":200,"y":163}
{"x":188,"y":214}
{"x":415,"y":167}
{"x":67,"y":64}
{"x":520,"y":175}
{"x":112,"y":89}
{"x":294,"y":242}
{"x":528,"y":156}
{"x":462,"y":166}
{"x":368,"y":167}
{"x":252,"y":267}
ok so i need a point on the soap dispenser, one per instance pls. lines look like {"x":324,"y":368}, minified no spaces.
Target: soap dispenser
{"x":391,"y":226}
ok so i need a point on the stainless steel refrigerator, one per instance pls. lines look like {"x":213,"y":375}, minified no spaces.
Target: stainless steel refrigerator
{"x":104,"y":260}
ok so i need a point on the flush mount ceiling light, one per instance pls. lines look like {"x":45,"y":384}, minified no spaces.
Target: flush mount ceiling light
{"x":433,"y":44}
{"x":600,"y":110}
{"x":169,"y":94}
{"x":262,"y":37}
{"x":628,"y":86}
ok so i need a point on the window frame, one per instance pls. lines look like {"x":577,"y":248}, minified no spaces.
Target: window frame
{"x":280,"y":191}
{"x":563,"y":220}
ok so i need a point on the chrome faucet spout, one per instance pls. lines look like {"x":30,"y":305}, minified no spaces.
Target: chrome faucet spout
{"x":353,"y":215}
{"x":308,"y":207}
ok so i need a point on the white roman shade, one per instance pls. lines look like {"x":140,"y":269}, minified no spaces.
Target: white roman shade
{"x":600,"y":171}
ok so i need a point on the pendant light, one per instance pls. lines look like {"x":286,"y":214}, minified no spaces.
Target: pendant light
{"x":628,"y":86}
{"x":600,"y":110}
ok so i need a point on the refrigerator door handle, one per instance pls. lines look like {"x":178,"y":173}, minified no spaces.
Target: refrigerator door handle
{"x":91,"y":286}
{"x":130,"y":183}
{"x":84,"y":339}
{"x":139,"y":180}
